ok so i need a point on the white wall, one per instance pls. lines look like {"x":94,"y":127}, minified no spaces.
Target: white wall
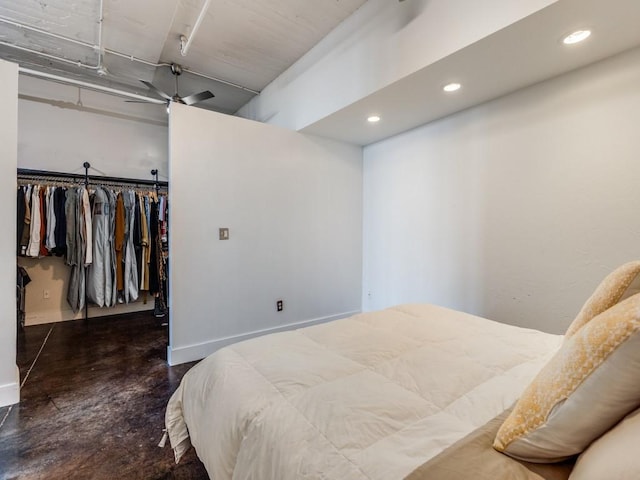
{"x":515,"y":209}
{"x":46,"y":294}
{"x":117,"y":138}
{"x":293,"y":204}
{"x":9,"y":376}
{"x":379,"y":44}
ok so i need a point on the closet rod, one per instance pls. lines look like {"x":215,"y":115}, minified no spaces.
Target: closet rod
{"x":92,"y":178}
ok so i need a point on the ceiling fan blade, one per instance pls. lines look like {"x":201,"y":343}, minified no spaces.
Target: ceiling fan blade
{"x":137,"y":101}
{"x":197,"y":97}
{"x":156,"y":90}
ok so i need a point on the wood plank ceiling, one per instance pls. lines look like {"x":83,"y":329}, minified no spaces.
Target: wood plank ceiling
{"x":244,"y":42}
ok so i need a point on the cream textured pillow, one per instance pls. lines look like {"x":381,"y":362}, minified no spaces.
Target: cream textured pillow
{"x":619,"y":285}
{"x":586,"y":388}
{"x":614,"y":455}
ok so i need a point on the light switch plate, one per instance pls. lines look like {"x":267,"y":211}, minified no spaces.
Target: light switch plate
{"x":224,"y":234}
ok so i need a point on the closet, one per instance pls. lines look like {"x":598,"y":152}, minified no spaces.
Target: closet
{"x":106,"y":239}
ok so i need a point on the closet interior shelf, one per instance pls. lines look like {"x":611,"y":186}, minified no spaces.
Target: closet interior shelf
{"x":35,"y":176}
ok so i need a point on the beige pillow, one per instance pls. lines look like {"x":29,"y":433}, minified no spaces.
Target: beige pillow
{"x":586,"y":388}
{"x":619,"y":285}
{"x":614,"y":455}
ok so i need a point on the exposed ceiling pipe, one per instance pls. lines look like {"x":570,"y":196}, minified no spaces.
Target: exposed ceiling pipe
{"x":30,"y":28}
{"x":231,"y":84}
{"x":184,"y":45}
{"x":101,"y":69}
{"x":80,"y":107}
{"x":80,"y":64}
{"x":136,"y":59}
{"x":89,"y":86}
{"x":76,"y":63}
{"x":132,"y":58}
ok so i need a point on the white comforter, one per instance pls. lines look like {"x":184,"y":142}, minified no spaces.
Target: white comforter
{"x":369,"y":397}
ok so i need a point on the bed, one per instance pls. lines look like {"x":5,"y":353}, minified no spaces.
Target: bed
{"x":398,"y":393}
{"x":420,"y":392}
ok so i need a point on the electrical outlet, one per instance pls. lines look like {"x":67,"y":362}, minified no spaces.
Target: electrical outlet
{"x":45,"y":294}
{"x":224,"y":233}
{"x":279,"y":305}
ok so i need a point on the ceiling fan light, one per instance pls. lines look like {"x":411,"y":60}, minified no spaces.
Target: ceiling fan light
{"x":176,"y":71}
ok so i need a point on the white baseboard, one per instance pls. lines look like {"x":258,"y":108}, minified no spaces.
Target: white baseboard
{"x":191,"y":353}
{"x":10,"y":392}
{"x":53,"y":316}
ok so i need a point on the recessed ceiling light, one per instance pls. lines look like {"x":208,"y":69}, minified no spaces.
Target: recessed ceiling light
{"x":452,"y":87}
{"x":576,"y":37}
{"x":373,"y":119}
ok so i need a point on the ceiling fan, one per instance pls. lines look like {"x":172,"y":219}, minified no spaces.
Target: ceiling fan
{"x":176,"y":70}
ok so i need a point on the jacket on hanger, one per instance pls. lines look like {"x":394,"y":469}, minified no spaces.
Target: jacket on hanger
{"x":99,"y":275}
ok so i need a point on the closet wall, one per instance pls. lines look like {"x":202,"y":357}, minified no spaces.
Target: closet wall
{"x":293,"y":206}
{"x":515,"y":209}
{"x":9,"y":376}
{"x":59,"y":129}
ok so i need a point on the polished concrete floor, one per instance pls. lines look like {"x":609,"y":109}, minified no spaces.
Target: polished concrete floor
{"x":92,"y":403}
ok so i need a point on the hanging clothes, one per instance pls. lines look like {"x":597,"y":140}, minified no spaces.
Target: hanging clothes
{"x":70,"y":233}
{"x":137,"y":237}
{"x":75,"y":255}
{"x":144,"y":243}
{"x":46,"y":234}
{"x":60,"y":230}
{"x":42,"y":251}
{"x":20,"y":218}
{"x":86,"y":224}
{"x":130,"y":268}
{"x":119,"y":241}
{"x":99,"y":273}
{"x":157,"y":266}
{"x":79,"y":245}
{"x":50,"y":238}
{"x":114,"y":245}
{"x":33,"y":249}
{"x":154,"y":279}
{"x":26,"y":230}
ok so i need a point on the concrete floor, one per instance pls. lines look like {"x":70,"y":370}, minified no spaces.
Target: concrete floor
{"x":93,"y":403}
